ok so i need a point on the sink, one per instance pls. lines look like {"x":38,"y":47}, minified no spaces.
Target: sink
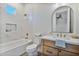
{"x":60,"y":43}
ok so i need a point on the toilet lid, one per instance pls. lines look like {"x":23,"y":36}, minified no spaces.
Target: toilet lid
{"x":31,"y":48}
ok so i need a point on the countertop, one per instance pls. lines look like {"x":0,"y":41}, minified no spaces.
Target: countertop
{"x":67,"y":40}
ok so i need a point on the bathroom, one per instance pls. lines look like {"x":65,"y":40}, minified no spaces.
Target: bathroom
{"x":24,"y":25}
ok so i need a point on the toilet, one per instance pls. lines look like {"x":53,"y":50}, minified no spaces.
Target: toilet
{"x":33,"y":48}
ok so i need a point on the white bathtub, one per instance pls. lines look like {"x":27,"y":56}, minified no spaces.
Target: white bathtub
{"x":14,"y":48}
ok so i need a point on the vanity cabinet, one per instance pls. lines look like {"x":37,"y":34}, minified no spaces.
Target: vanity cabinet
{"x":48,"y":48}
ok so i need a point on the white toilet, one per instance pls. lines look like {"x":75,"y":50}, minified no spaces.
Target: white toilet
{"x":33,"y":48}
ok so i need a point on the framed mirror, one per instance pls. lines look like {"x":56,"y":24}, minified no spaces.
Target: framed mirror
{"x":61,"y":20}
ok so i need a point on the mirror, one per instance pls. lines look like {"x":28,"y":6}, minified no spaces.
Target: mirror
{"x":61,"y":20}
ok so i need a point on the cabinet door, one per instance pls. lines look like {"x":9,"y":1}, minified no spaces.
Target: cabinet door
{"x":65,"y":53}
{"x":72,"y":48}
{"x":50,"y":51}
{"x":49,"y":43}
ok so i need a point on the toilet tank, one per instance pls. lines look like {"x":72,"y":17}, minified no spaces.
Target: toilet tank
{"x":37,"y":40}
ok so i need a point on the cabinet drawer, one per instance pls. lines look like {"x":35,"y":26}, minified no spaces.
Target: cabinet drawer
{"x":50,"y":51}
{"x":65,"y":53}
{"x":49,"y":43}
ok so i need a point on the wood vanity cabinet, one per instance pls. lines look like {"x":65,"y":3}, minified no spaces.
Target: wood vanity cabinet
{"x":48,"y":48}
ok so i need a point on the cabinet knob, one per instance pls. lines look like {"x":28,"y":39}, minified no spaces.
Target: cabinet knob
{"x":59,"y":50}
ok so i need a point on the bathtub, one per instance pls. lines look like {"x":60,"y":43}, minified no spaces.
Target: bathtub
{"x":14,"y":48}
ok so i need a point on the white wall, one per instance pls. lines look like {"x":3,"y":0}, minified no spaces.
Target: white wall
{"x":41,"y":16}
{"x":77,"y":21}
{"x":22,"y":28}
{"x":18,"y":19}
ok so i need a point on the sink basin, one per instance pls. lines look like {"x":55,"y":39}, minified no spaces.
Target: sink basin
{"x":60,"y":43}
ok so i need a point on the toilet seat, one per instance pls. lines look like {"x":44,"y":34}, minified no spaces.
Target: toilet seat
{"x":31,"y":48}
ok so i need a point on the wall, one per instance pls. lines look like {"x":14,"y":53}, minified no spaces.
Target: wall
{"x":18,"y":19}
{"x":41,"y":16}
{"x":0,"y":21}
{"x":77,"y":21}
{"x":23,"y":27}
{"x":29,"y":21}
